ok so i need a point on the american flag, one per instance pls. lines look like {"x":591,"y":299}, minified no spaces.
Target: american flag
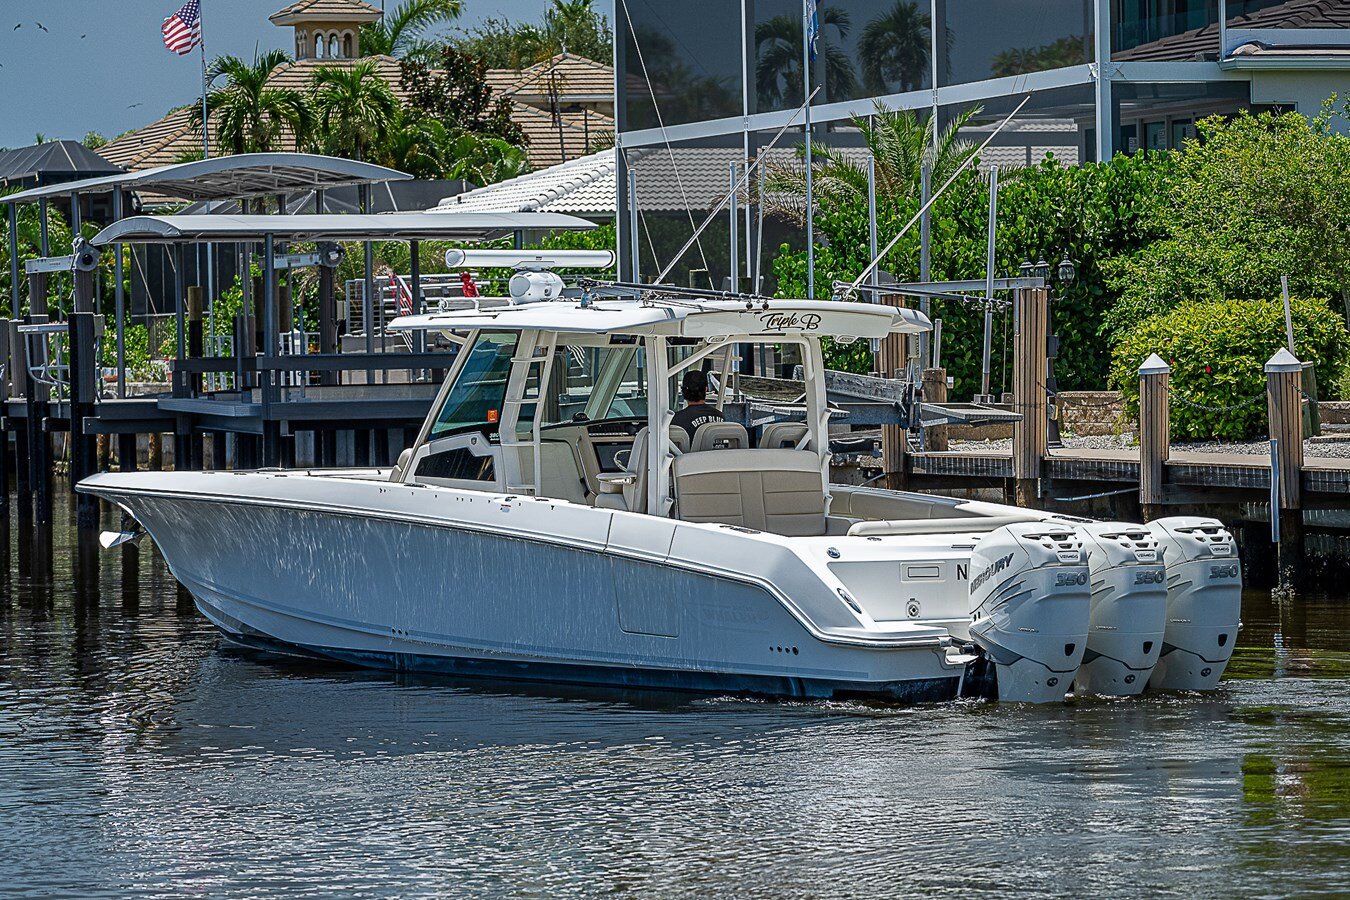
{"x":183,"y":29}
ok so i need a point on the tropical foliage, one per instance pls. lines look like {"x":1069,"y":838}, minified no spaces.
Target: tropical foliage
{"x":1092,"y":212}
{"x":572,"y":26}
{"x":1217,"y":352}
{"x":1257,"y":197}
{"x":900,"y":141}
{"x":249,"y":114}
{"x":401,"y":32}
{"x":456,"y":93}
{"x":353,"y":109}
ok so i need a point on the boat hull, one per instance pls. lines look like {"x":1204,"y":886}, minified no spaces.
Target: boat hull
{"x":401,"y":590}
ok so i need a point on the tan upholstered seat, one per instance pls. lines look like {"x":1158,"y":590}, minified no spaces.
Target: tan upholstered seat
{"x":782,"y":435}
{"x":720,"y":436}
{"x":777,"y":491}
{"x":630,"y":490}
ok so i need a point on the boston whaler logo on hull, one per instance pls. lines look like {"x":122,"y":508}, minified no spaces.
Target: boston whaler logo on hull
{"x":776,"y":321}
{"x":996,"y":566}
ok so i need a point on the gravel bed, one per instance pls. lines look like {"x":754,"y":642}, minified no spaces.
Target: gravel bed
{"x":1322,"y":450}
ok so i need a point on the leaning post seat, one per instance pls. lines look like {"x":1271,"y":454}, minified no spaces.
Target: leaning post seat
{"x":778,"y":491}
{"x":720,"y":436}
{"x":628,"y":489}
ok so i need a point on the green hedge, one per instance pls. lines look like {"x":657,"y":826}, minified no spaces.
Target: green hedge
{"x":1217,"y":351}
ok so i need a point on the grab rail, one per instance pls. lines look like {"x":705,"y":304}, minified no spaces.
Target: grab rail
{"x":936,"y":526}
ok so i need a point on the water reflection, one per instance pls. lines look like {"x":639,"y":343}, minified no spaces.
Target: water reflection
{"x":136,"y":753}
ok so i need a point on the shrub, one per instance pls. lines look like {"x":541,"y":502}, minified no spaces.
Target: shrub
{"x":1218,"y":350}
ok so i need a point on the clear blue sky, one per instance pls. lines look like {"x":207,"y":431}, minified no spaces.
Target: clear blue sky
{"x":101,"y":65}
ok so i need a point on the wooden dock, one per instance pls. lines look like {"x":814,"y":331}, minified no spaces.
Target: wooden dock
{"x":1189,"y":476}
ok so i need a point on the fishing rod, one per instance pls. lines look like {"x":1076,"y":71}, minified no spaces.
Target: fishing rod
{"x":905,"y":291}
{"x":624,"y":287}
{"x":850,"y":288}
{"x":759,"y":158}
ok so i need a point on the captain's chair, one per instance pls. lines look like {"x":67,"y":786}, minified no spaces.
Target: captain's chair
{"x":628,"y":489}
{"x":782,"y":435}
{"x":720,"y":436}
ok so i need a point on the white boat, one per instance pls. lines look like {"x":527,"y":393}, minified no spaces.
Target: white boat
{"x":549,"y":523}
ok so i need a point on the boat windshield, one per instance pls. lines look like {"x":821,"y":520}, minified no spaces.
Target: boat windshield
{"x":475,"y":399}
{"x":587,"y":384}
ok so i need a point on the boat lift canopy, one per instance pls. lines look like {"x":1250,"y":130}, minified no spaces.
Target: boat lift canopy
{"x":226,"y":178}
{"x":222,"y":229}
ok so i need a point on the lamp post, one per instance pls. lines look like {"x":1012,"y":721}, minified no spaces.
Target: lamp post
{"x":1065,"y":272}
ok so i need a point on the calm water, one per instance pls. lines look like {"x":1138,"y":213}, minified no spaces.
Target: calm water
{"x":139,"y":756}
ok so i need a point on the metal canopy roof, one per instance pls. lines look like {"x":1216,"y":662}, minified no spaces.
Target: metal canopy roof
{"x":687,"y":317}
{"x":228,"y":178}
{"x":54,"y":160}
{"x":391,"y":227}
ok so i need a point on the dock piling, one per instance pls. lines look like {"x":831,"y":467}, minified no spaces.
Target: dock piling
{"x":935,"y":391}
{"x":1284,"y":405}
{"x":1031,"y":434}
{"x":1154,"y":440}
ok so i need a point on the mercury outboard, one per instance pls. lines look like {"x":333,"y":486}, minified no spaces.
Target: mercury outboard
{"x":1029,"y":603}
{"x":1204,"y":602}
{"x":1129,"y":606}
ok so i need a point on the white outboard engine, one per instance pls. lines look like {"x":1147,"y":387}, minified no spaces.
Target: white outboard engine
{"x":1029,"y":600}
{"x":1129,"y":608}
{"x":1204,"y":602}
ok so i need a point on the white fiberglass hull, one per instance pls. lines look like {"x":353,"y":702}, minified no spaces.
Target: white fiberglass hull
{"x":430,"y":579}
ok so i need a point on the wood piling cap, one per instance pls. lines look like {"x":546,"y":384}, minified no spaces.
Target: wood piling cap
{"x":1283,"y":361}
{"x":1155,"y":365}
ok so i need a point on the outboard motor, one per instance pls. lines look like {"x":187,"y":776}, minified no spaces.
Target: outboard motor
{"x":1129,"y":607}
{"x":1204,"y":602}
{"x":1029,"y":601}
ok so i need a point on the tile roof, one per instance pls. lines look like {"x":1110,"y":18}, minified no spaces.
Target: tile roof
{"x":583,"y":186}
{"x":326,"y":10}
{"x":579,"y":130}
{"x":163,"y":142}
{"x":577,"y":79}
{"x":1204,"y":42}
{"x":299,"y":74}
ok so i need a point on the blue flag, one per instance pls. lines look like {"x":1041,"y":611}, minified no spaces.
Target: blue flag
{"x":812,"y":27}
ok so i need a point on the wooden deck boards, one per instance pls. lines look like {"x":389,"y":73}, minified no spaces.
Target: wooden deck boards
{"x":1188,"y":467}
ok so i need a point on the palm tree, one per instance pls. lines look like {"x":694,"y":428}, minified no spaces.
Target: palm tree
{"x":778,"y":59}
{"x":894,"y":49}
{"x":485,"y":158}
{"x":354,"y":109}
{"x":249,"y":116}
{"x":399,"y":33}
{"x":901,"y":143}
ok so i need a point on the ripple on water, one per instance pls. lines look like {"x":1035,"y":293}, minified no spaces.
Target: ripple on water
{"x":139,"y":755}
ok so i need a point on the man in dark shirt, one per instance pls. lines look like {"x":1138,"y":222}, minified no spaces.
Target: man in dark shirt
{"x":694,"y":389}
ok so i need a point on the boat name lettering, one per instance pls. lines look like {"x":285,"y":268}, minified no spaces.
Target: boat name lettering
{"x":963,"y":571}
{"x":774,"y":321}
{"x":997,"y":565}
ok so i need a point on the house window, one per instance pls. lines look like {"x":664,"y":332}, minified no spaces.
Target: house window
{"x":318,"y":46}
{"x":333,"y":46}
{"x":347,"y":46}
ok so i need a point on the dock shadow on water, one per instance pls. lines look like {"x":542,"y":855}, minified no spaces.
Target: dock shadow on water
{"x":140,"y":756}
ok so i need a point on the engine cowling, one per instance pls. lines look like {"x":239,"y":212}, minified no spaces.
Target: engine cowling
{"x":1204,"y":602}
{"x":1029,"y":604}
{"x":1129,"y":608}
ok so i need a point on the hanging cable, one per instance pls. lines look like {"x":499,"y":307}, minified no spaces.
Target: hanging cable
{"x":740,"y":184}
{"x":661,"y":121}
{"x":842,"y":290}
